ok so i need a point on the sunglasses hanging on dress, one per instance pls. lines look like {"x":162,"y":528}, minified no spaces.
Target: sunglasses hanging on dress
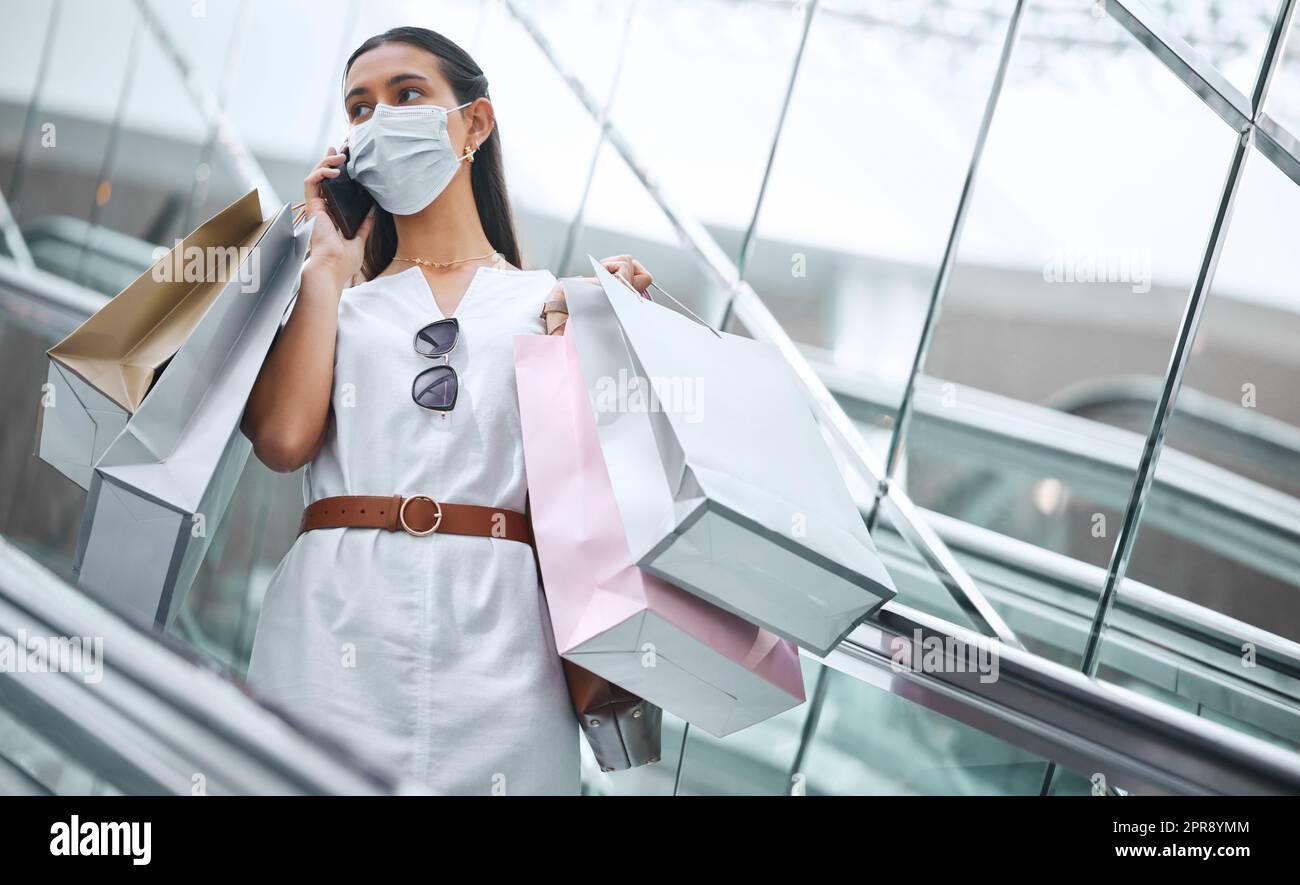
{"x":435,"y":388}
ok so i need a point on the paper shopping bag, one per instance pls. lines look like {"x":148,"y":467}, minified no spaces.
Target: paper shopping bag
{"x":158,"y":492}
{"x":723,"y":480}
{"x":703,"y":664}
{"x":100,"y":374}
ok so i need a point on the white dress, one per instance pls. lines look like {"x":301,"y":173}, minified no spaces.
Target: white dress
{"x":431,"y":655}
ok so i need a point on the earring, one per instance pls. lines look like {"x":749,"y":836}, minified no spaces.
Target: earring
{"x":469,"y":153}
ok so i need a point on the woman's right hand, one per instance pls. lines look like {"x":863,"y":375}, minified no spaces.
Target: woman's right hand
{"x":330,"y":250}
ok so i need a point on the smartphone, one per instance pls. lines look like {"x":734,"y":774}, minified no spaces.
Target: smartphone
{"x":346,"y":201}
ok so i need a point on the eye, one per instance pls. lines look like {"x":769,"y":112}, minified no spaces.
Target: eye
{"x":358,"y":112}
{"x":409,"y":90}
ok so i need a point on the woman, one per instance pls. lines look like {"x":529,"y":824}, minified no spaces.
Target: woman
{"x":415,"y":632}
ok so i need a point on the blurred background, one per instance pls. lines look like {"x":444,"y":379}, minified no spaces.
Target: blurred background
{"x":821,"y":151}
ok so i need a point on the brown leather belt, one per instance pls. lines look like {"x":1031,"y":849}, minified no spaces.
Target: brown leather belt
{"x":416,"y":515}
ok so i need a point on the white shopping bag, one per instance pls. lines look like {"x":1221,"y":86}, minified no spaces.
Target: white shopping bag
{"x":723,"y":480}
{"x":157,"y":494}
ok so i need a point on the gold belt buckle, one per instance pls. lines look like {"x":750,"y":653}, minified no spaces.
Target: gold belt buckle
{"x":401,"y":516}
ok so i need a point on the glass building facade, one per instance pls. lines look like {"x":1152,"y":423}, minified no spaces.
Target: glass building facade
{"x":1034,"y":260}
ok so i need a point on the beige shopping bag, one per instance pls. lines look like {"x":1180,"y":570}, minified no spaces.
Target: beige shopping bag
{"x":101,"y":373}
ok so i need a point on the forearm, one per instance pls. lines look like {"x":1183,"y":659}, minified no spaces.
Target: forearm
{"x":555,"y":311}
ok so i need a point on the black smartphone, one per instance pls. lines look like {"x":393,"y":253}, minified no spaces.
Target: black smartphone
{"x":346,"y":201}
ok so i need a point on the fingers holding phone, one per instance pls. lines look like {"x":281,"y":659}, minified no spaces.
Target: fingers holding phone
{"x":346,"y":201}
{"x":343,"y":217}
{"x":311,"y":190}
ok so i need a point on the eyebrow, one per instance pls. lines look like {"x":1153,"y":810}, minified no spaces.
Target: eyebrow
{"x":392,"y":81}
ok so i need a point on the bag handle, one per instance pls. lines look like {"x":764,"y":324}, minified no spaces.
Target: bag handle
{"x":692,"y":314}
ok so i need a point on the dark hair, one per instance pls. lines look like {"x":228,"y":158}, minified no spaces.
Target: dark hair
{"x":487,"y":172}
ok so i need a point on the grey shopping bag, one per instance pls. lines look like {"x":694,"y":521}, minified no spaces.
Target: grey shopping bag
{"x":158,"y":492}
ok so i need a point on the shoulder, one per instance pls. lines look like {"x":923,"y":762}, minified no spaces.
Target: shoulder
{"x":359,"y":286}
{"x":382,"y":281}
{"x":511,"y":276}
{"x":536,"y":282}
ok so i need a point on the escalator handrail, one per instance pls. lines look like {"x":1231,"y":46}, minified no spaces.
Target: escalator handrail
{"x":147,"y":684}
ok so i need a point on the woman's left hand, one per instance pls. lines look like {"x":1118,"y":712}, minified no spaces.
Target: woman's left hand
{"x":629,"y":269}
{"x":624,"y":266}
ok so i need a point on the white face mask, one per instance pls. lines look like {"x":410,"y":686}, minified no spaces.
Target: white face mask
{"x":403,"y":155}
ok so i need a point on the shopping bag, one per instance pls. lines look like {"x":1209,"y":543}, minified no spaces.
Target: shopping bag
{"x":703,"y":664}
{"x":158,"y":492}
{"x":101,"y":373}
{"x":723,"y":480}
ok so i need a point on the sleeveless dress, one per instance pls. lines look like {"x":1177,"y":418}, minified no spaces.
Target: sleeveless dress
{"x":432,"y":656}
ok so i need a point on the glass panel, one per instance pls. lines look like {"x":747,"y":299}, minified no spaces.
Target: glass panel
{"x":220,"y":613}
{"x":920,"y":752}
{"x":621,"y":217}
{"x":1283,"y":100}
{"x":59,"y":187}
{"x":1237,"y":411}
{"x":1049,"y":612}
{"x":549,"y":139}
{"x":1088,"y":222}
{"x":1248,"y":679}
{"x":158,"y":163}
{"x":22,"y":44}
{"x":865,"y":182}
{"x":701,"y":91}
{"x":587,"y":35}
{"x":286,"y":122}
{"x":40,"y":510}
{"x":919,"y":586}
{"x":1222,"y":519}
{"x":755,"y":761}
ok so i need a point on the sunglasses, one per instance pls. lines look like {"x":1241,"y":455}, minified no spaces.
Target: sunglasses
{"x":436,"y":388}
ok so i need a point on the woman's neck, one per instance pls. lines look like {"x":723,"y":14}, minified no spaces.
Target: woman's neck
{"x":448,"y":229}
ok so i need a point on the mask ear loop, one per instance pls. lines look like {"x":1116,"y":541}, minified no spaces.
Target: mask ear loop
{"x":469,"y":152}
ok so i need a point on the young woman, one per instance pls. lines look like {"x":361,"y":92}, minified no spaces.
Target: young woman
{"x":407,"y":619}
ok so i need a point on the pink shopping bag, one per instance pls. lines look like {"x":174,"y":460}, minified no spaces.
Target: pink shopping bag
{"x":693,"y":659}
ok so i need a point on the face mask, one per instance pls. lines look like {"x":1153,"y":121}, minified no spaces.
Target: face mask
{"x":403,"y":156}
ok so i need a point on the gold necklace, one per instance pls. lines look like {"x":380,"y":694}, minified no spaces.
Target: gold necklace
{"x":441,"y":264}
